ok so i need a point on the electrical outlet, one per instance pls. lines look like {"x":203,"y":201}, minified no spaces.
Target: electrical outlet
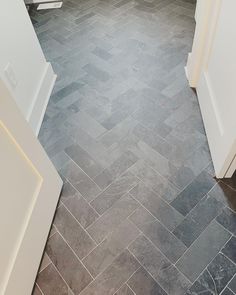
{"x":10,"y":75}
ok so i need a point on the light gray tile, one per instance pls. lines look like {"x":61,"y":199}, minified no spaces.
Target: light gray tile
{"x":73,"y":233}
{"x":51,"y":283}
{"x":119,"y":166}
{"x":103,"y":255}
{"x":76,"y":276}
{"x":80,"y":181}
{"x":81,"y":210}
{"x":114,"y":276}
{"x":142,"y":283}
{"x":84,"y":160}
{"x":157,"y":206}
{"x":114,"y":192}
{"x":112,"y":218}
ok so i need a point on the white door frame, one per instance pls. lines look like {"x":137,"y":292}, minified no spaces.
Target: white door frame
{"x":30,"y":188}
{"x":206,"y":16}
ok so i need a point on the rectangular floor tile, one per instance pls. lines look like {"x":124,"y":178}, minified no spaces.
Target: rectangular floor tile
{"x":197,"y":257}
{"x":157,"y":206}
{"x":112,"y":218}
{"x":142,"y":283}
{"x":114,"y":192}
{"x":155,"y":181}
{"x":173,"y":281}
{"x":224,"y":194}
{"x":198,"y":219}
{"x":193,"y":193}
{"x":232,"y":284}
{"x":168,"y":244}
{"x":73,"y":272}
{"x":114,"y":276}
{"x":229,"y":249}
{"x":80,"y":181}
{"x":148,"y":255}
{"x":81,"y":210}
{"x":228,"y":220}
{"x":91,"y":126}
{"x":124,"y":290}
{"x":215,"y":278}
{"x":51,"y":283}
{"x":84,"y":160}
{"x":103,"y":255}
{"x":119,"y":166}
{"x":73,"y":233}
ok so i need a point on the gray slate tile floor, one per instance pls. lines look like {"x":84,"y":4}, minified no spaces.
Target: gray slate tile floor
{"x":140,"y":211}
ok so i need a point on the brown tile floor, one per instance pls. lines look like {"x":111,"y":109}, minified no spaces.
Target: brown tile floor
{"x":140,"y":212}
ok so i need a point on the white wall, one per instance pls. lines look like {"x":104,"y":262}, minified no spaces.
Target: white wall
{"x":19,"y":46}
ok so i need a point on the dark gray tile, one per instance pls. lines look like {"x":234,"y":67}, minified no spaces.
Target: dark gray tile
{"x":76,"y":276}
{"x":229,"y":249}
{"x":142,"y":283}
{"x":173,"y":281}
{"x":51,"y":283}
{"x":198,"y":219}
{"x":73,"y":233}
{"x":157,"y":206}
{"x":112,"y":218}
{"x":168,"y":244}
{"x":197,"y":257}
{"x":228,"y":220}
{"x":114,"y":276}
{"x":80,"y":181}
{"x":114,"y":192}
{"x":124,"y":290}
{"x":119,"y":166}
{"x":224,"y":194}
{"x":231,"y":181}
{"x":81,"y":210}
{"x":193,"y":193}
{"x":215,"y":278}
{"x":84,"y":160}
{"x":232,"y":284}
{"x":103,"y":255}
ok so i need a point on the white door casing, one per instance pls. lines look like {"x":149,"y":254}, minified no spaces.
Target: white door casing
{"x":30,"y":188}
{"x":211,"y":69}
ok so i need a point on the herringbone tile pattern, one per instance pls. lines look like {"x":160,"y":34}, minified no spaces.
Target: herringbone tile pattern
{"x":140,"y":212}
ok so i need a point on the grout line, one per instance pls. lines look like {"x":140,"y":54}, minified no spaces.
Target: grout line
{"x":157,"y":219}
{"x":101,"y":215}
{"x":39,"y":288}
{"x":210,"y":261}
{"x":79,"y":224}
{"x":126,"y":282}
{"x":62,"y":278}
{"x":75,"y":254}
{"x":78,"y":192}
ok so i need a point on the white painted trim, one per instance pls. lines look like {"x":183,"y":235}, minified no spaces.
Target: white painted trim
{"x":206,"y":18}
{"x":40,"y":102}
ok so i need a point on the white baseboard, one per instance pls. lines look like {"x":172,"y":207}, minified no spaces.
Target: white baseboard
{"x":40,"y":102}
